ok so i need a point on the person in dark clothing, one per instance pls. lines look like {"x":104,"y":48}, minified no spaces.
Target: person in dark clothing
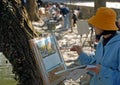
{"x":74,"y":17}
{"x":40,"y":3}
{"x":64,"y":11}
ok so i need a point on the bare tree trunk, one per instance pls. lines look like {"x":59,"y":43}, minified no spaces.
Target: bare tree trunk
{"x":99,"y":3}
{"x":32,"y":9}
{"x":15,"y":33}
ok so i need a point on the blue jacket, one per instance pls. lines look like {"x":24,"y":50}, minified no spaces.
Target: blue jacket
{"x":109,"y":59}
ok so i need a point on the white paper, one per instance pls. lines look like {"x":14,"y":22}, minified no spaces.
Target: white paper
{"x":82,"y":27}
{"x":52,"y":61}
{"x":76,"y":74}
{"x":70,"y":69}
{"x":73,"y":73}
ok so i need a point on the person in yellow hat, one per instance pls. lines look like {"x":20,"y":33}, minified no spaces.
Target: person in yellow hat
{"x":107,"y":56}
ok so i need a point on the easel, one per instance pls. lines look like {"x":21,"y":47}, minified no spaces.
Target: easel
{"x":84,"y":28}
{"x":51,"y":28}
{"x":51,"y":63}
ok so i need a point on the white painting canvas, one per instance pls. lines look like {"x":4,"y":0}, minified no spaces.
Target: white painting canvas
{"x":82,"y":27}
{"x":48,"y":50}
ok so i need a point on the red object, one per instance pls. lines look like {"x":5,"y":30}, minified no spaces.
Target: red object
{"x":72,"y":49}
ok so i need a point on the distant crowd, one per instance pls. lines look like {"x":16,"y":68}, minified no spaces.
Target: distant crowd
{"x":60,"y":12}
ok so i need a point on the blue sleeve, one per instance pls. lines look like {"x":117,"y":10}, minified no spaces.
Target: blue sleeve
{"x":84,"y":59}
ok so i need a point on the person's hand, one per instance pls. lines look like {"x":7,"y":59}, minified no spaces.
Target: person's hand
{"x":95,"y":69}
{"x":76,"y":48}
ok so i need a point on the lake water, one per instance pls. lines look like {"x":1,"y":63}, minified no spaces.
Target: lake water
{"x":6,"y":75}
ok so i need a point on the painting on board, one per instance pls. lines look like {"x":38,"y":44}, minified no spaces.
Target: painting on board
{"x":46,"y":46}
{"x":48,"y":58}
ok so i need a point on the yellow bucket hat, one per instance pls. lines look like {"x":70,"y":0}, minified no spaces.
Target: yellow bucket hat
{"x":104,"y":19}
